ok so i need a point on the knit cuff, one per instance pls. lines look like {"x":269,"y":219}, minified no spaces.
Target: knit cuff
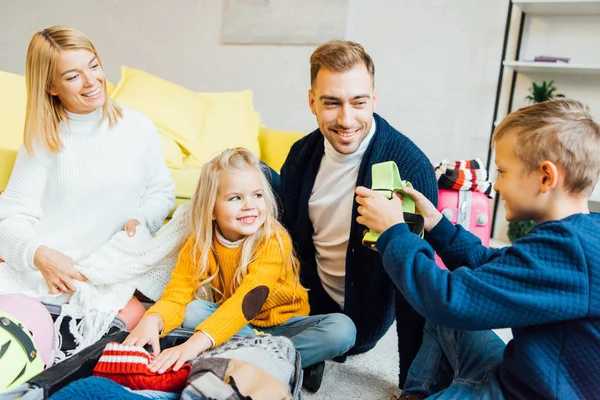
{"x":441,"y":235}
{"x":214,"y":344}
{"x":24,"y":254}
{"x":140,"y":218}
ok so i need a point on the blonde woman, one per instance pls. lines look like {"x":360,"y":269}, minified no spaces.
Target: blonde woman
{"x":239,"y":256}
{"x":88,"y":168}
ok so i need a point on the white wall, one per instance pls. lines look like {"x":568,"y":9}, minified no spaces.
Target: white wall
{"x":437,"y":61}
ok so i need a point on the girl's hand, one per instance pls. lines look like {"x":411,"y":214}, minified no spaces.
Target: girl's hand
{"x":431,"y":215}
{"x":376,"y":211}
{"x":179,"y":355}
{"x":146,"y":332}
{"x":130,"y":226}
{"x":57,"y":270}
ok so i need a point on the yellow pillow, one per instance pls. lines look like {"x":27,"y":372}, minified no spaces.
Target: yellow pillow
{"x":275,"y":145}
{"x":13,"y":98}
{"x":110,"y":87}
{"x":176,"y":111}
{"x":230,"y":122}
{"x":186,"y":180}
{"x":171,"y":151}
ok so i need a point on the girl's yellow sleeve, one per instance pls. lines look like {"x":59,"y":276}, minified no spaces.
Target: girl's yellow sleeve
{"x":260,"y":281}
{"x":179,"y":291}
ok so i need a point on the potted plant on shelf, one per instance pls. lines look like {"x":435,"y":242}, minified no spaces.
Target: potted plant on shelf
{"x":537,"y":94}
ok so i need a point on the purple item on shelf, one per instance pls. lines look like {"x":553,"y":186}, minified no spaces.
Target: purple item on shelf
{"x":552,"y":59}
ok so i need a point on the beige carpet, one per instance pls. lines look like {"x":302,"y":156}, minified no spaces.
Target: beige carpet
{"x":373,"y":375}
{"x":369,"y":376}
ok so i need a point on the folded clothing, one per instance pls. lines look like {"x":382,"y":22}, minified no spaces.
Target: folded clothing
{"x":227,"y":379}
{"x":464,"y":175}
{"x":275,"y":354}
{"x":128,"y":366}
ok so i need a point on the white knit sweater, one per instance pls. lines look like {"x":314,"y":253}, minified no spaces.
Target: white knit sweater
{"x":74,"y":201}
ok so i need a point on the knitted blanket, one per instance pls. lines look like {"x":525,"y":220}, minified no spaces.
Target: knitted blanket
{"x":114,"y":272}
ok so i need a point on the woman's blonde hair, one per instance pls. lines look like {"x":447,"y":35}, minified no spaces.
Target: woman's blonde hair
{"x":203,"y":225}
{"x":562,"y":131}
{"x":45,"y":112}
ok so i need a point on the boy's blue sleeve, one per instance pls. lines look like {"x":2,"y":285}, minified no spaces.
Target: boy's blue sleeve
{"x":539,"y":280}
{"x":458,"y":247}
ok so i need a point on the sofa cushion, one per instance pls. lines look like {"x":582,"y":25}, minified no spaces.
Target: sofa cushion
{"x":185,"y":180}
{"x":176,"y":111}
{"x":171,"y":151}
{"x":13,"y":98}
{"x":230,"y":122}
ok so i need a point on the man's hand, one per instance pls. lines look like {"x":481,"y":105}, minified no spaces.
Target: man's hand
{"x":146,"y":332}
{"x":431,"y":215}
{"x":376,"y":211}
{"x":179,"y":355}
{"x":57,"y":269}
{"x":130,"y":226}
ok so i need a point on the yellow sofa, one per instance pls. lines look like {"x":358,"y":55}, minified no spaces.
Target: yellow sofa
{"x":193,"y":127}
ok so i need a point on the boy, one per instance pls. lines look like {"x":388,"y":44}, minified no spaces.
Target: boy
{"x":546,"y":286}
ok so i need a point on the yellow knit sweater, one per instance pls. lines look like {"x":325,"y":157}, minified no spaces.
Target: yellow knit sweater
{"x":264,"y":298}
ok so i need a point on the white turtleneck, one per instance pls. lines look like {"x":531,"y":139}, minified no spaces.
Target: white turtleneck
{"x":75,"y":200}
{"x":330,"y":211}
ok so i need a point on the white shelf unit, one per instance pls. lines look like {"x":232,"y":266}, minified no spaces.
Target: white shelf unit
{"x":542,"y":27}
{"x":559,"y":7}
{"x":531,"y":67}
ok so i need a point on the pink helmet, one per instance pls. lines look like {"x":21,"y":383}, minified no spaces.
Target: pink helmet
{"x":36,"y":319}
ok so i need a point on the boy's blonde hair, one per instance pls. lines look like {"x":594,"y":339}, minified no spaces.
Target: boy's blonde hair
{"x":562,"y":131}
{"x":203,"y":225}
{"x":339,"y":56}
{"x":45,"y":112}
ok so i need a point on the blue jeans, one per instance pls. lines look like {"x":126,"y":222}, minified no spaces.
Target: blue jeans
{"x":454,"y":364}
{"x":317,"y":338}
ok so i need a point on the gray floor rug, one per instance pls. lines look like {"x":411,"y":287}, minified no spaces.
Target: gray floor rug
{"x":369,"y":376}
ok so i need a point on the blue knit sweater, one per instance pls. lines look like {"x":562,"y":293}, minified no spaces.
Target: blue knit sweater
{"x":371,"y":300}
{"x":546,"y":287}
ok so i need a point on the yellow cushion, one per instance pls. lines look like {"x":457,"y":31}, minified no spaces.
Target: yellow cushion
{"x":110,"y":87}
{"x":185,"y":180}
{"x":171,"y":151}
{"x":13,"y":97}
{"x":7,"y":160}
{"x":275,"y":145}
{"x":230,"y":122}
{"x":176,"y":111}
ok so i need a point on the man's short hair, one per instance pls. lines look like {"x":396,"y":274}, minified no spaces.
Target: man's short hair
{"x":339,"y":56}
{"x":562,"y":131}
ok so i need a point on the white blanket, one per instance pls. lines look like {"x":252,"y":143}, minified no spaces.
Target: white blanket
{"x":114,"y":272}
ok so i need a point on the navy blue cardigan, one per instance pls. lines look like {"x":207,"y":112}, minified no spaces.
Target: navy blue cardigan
{"x":371,"y":299}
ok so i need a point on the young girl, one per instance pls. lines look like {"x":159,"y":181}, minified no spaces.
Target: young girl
{"x":240,"y":257}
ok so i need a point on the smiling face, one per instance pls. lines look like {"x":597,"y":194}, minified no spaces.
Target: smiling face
{"x":520,"y":189}
{"x":78,"y":81}
{"x":240,"y":209}
{"x":343,"y":103}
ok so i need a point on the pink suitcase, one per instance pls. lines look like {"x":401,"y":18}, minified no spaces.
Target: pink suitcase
{"x":468,"y":208}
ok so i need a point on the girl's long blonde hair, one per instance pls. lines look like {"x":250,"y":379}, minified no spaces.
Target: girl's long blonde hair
{"x":45,"y":112}
{"x":203,"y":225}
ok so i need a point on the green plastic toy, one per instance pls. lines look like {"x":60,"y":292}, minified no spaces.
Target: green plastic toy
{"x":387,"y":181}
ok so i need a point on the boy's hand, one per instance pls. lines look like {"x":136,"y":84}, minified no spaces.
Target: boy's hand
{"x":376,"y":211}
{"x":146,"y":332}
{"x":431,"y":215}
{"x":179,"y":355}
